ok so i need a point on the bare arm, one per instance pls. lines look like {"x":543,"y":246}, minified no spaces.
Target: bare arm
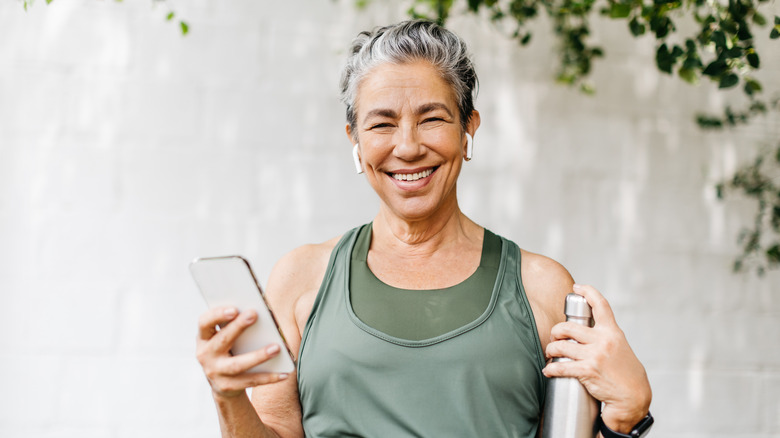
{"x":274,"y":410}
{"x":603,"y":359}
{"x":292,"y":288}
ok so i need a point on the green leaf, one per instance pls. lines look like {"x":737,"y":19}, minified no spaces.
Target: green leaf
{"x":719,"y":38}
{"x":636,"y":27}
{"x":777,"y":20}
{"x":185,"y":28}
{"x":708,"y":122}
{"x":689,"y":75}
{"x":619,"y":10}
{"x":775,"y":34}
{"x":169,"y":17}
{"x":773,"y":254}
{"x":752,"y":86}
{"x":752,"y":59}
{"x":526,"y":39}
{"x":728,"y":81}
{"x":744,"y":32}
{"x":664,"y":59}
{"x":759,"y":19}
{"x":715,"y":68}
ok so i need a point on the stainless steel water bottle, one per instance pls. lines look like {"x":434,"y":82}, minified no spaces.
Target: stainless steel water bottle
{"x":569,"y":410}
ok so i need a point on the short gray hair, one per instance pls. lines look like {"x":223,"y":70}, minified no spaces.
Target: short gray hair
{"x":410,"y":41}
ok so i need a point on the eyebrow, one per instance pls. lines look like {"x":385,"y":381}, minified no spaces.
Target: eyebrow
{"x":422,"y":109}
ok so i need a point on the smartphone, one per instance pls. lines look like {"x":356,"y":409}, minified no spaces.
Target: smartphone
{"x":229,"y":281}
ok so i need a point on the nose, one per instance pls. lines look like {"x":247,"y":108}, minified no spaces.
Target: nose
{"x":407,"y":144}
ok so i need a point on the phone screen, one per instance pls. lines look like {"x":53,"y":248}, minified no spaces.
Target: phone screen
{"x":229,"y":281}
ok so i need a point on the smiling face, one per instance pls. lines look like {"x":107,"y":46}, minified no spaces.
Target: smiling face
{"x":411,"y":140}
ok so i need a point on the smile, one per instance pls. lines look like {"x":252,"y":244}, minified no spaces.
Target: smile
{"x":412,"y":176}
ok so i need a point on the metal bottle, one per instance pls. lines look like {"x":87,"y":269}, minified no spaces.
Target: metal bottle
{"x":569,"y":410}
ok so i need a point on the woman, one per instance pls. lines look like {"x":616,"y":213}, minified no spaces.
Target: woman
{"x":421,"y":323}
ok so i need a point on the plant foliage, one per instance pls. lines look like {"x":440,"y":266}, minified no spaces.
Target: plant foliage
{"x":720,"y":49}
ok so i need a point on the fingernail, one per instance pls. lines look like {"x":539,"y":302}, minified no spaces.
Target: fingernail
{"x":577,"y":287}
{"x":283,"y":376}
{"x":251,"y":316}
{"x":272,"y":349}
{"x":231,"y":313}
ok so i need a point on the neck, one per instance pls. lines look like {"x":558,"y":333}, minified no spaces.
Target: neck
{"x":446,"y":227}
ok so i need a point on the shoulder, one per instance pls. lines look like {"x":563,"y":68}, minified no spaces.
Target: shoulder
{"x":295,"y":281}
{"x":546,"y":283}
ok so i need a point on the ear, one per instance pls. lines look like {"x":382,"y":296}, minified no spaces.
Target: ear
{"x":471,"y":129}
{"x":474,"y":123}
{"x":349,"y":134}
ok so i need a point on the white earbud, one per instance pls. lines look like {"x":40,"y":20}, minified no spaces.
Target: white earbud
{"x":356,"y":158}
{"x":469,"y":147}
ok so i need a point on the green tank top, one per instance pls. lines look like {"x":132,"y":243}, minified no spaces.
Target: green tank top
{"x":482,"y":379}
{"x":420,"y":314}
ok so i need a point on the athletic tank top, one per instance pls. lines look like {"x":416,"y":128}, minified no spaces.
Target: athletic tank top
{"x":420,"y":314}
{"x":480,"y":380}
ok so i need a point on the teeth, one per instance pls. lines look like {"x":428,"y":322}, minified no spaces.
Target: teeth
{"x":412,"y":176}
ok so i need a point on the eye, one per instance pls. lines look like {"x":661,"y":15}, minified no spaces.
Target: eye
{"x":380,"y":125}
{"x":433,"y":119}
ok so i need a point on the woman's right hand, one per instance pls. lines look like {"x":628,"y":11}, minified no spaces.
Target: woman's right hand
{"x":227,"y":374}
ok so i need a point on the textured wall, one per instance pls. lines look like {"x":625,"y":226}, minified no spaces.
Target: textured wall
{"x":126,"y":150}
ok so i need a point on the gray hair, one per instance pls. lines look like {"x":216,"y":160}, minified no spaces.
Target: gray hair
{"x":410,"y":41}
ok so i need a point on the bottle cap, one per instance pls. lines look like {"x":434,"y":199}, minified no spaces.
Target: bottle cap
{"x":577,"y":307}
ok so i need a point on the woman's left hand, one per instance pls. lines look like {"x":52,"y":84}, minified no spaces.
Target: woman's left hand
{"x":603,"y":362}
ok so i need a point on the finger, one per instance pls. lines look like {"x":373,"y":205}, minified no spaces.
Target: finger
{"x":224,"y":339}
{"x":602,"y":311}
{"x":238,"y":384}
{"x":235,"y":365}
{"x":572,"y":330}
{"x":213,"y":317}
{"x":569,"y":349}
{"x":578,"y":369}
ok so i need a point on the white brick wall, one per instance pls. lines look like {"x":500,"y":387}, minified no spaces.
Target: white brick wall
{"x":126,"y":150}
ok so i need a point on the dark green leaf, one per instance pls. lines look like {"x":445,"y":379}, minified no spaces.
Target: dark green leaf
{"x":729,"y":25}
{"x":664,"y":59}
{"x":526,"y":39}
{"x":734,"y":52}
{"x":719,"y":190}
{"x":777,"y":20}
{"x":636,"y":27}
{"x":773,"y":254}
{"x":708,"y":122}
{"x":692,"y":63}
{"x":752,"y":86}
{"x":744,"y":32}
{"x":752,"y":59}
{"x":184,"y":28}
{"x":719,"y":38}
{"x":759,"y":19}
{"x":775,"y":34}
{"x":728,"y":81}
{"x":716,"y":68}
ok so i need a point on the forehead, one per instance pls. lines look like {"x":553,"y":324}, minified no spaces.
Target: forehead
{"x":392,"y":85}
